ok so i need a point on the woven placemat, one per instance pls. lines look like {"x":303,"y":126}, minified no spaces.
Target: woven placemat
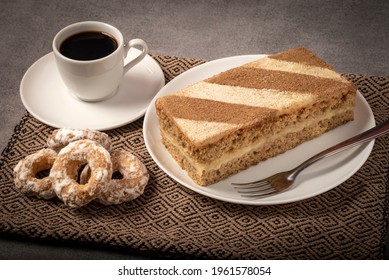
{"x":347,"y":222}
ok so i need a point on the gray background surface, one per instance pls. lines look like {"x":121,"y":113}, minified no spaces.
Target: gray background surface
{"x":352,"y":35}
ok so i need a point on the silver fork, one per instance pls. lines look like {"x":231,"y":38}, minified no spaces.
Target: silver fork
{"x":282,"y":181}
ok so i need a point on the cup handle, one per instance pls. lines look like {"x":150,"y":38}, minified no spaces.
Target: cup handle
{"x":135,"y":43}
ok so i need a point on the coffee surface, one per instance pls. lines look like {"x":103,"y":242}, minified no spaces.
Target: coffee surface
{"x":89,"y":45}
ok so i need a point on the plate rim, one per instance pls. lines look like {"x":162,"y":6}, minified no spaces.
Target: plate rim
{"x":365,"y":148}
{"x":112,"y":125}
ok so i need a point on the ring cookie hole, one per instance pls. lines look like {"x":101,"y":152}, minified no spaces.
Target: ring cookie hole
{"x":41,"y":169}
{"x":42,"y":174}
{"x":117,"y":175}
{"x":84,"y":174}
{"x":80,"y":174}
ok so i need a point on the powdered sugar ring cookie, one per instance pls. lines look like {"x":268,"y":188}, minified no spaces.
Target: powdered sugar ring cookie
{"x":26,"y":171}
{"x":128,"y":181}
{"x":131,"y":181}
{"x":60,"y":138}
{"x":64,"y":172}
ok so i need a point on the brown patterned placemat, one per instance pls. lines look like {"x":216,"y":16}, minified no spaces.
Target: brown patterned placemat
{"x":347,"y":222}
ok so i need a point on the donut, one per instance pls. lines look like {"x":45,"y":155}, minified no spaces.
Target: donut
{"x":27,"y":174}
{"x":65,"y":170}
{"x":128,"y":180}
{"x":60,"y":138}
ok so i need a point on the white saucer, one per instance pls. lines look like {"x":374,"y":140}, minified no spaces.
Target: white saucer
{"x":46,"y":97}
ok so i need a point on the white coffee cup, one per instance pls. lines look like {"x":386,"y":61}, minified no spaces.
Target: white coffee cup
{"x":97,"y":79}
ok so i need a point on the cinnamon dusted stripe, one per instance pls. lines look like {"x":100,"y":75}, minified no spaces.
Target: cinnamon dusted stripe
{"x":171,"y":221}
{"x":198,"y":109}
{"x":301,"y":55}
{"x":277,"y":80}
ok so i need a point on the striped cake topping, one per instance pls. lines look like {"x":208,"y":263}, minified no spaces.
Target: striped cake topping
{"x":302,"y":56}
{"x":246,"y":96}
{"x":211,"y":129}
{"x":294,"y":67}
{"x":253,"y":92}
{"x":278,"y":80}
{"x":197,"y":109}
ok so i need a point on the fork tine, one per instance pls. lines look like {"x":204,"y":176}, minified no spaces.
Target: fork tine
{"x":265,"y":187}
{"x":258,"y":191}
{"x":255,"y":183}
{"x":255,"y":190}
{"x":253,"y":186}
{"x":256,"y":196}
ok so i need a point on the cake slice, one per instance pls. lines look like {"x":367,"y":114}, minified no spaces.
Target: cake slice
{"x":235,"y":119}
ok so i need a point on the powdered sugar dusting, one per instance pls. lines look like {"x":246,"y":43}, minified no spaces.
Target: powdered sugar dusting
{"x":63,"y":136}
{"x":73,"y":156}
{"x":135,"y":178}
{"x":101,"y":174}
{"x":77,"y":148}
{"x":25,"y":174}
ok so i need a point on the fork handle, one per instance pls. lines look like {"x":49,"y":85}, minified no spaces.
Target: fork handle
{"x":363,"y":137}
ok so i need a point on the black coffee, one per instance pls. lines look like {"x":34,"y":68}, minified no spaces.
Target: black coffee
{"x":88,"y":45}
